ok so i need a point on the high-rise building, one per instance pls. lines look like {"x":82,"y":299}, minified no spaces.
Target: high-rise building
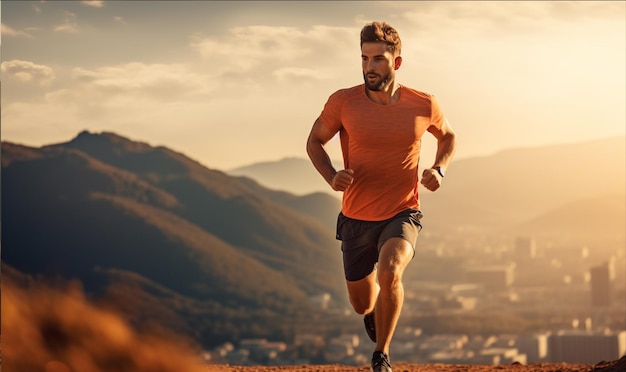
{"x":578,"y":346}
{"x":534,"y":346}
{"x":600,"y":285}
{"x":496,"y":277}
{"x":525,"y":247}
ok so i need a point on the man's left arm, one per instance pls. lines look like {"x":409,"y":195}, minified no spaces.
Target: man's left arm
{"x":446,"y":146}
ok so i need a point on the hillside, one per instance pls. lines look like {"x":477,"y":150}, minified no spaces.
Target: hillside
{"x":146,"y":222}
{"x":295,"y":175}
{"x":600,"y":216}
{"x":496,"y":191}
{"x":522,"y":183}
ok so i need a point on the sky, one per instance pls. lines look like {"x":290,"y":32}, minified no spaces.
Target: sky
{"x":234,"y":83}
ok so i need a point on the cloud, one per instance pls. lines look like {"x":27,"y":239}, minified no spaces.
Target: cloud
{"x":578,"y":10}
{"x":497,"y":18}
{"x":126,"y":98}
{"x":298,"y":73}
{"x":28,"y":72}
{"x":118,"y":19}
{"x":113,"y":97}
{"x":263,"y":51}
{"x":246,"y":47}
{"x":140,"y":81}
{"x":93,"y":3}
{"x":69,"y":24}
{"x":9,"y":31}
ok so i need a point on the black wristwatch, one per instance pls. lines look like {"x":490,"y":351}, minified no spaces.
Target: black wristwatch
{"x":440,"y":171}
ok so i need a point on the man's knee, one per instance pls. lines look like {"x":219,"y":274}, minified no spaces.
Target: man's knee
{"x":395,"y":255}
{"x":390,"y":277}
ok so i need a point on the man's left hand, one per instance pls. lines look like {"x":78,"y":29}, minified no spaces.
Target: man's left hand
{"x":431,"y":179}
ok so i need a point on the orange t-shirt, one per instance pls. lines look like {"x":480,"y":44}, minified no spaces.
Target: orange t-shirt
{"x":381,"y":143}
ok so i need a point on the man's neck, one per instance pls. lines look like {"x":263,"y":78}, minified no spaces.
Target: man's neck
{"x":387,"y":96}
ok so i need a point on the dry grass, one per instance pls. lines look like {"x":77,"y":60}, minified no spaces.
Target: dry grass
{"x":54,"y":330}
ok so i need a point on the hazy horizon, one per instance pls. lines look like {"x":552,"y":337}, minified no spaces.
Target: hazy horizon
{"x":236,"y":83}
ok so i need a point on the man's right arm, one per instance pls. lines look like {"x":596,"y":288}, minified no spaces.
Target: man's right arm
{"x":318,"y":137}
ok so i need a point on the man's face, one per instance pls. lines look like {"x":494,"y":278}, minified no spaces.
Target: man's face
{"x":379,"y":66}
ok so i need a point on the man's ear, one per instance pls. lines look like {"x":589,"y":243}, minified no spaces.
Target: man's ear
{"x":397,"y":62}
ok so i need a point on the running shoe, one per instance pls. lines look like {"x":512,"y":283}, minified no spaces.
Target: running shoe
{"x":370,"y":325}
{"x":380,"y":362}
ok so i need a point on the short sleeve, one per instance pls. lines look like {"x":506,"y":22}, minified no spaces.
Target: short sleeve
{"x":331,"y":114}
{"x":436,"y":115}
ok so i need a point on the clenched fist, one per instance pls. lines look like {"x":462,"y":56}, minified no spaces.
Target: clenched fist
{"x":342,"y":180}
{"x":431,"y":179}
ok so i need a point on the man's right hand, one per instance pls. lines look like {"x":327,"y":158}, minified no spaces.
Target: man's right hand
{"x":342,"y":180}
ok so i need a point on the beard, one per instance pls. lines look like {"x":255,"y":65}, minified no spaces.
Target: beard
{"x":380,"y":85}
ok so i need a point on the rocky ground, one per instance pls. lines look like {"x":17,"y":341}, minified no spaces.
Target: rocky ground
{"x":613,"y":366}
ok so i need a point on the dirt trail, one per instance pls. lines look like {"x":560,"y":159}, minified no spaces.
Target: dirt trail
{"x":612,"y":366}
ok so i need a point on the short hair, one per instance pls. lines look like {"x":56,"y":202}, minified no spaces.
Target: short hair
{"x":382,"y":32}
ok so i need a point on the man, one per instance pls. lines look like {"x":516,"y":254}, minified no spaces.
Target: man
{"x":380,"y":124}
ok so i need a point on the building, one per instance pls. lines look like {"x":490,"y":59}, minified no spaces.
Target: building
{"x":497,"y":277}
{"x":578,"y":346}
{"x":321,"y":301}
{"x":504,"y":355}
{"x":338,"y":350}
{"x":535,"y":347}
{"x":261,"y":350}
{"x":525,"y":247}
{"x":600,"y":286}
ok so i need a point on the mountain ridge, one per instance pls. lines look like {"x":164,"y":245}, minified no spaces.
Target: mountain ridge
{"x":503,"y":189}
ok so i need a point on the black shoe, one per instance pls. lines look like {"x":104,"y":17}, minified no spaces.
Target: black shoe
{"x":370,"y":325}
{"x":380,"y":362}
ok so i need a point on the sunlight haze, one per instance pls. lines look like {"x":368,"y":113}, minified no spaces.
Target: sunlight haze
{"x":233,"y":83}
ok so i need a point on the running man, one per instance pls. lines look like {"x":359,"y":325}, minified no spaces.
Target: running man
{"x":380,"y":124}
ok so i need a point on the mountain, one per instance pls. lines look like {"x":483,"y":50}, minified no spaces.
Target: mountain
{"x":521,"y":183}
{"x":295,"y":175}
{"x":503,"y":189}
{"x":105,"y":209}
{"x":602,"y":217}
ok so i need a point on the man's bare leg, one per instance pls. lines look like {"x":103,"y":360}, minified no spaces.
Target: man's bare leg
{"x":363,"y":293}
{"x":394,"y":257}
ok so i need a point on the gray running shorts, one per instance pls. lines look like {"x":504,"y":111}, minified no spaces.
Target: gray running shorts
{"x":361,"y":240}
